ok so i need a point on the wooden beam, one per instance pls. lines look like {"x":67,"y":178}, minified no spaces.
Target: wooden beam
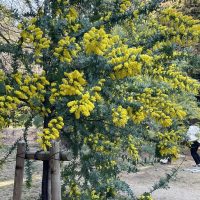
{"x":55,"y":171}
{"x":45,"y":155}
{"x":19,"y":171}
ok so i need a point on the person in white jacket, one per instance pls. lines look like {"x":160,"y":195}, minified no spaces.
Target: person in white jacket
{"x":193,"y":136}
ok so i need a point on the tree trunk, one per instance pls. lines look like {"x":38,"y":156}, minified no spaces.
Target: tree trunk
{"x":46,"y":177}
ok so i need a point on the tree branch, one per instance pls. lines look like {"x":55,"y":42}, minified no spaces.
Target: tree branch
{"x":1,"y":35}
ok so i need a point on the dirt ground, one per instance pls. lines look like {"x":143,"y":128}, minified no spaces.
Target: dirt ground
{"x":184,"y":187}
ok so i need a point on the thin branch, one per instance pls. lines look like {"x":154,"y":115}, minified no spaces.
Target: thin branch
{"x":1,"y":35}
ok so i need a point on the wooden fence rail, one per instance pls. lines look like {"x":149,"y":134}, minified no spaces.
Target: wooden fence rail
{"x":45,"y":155}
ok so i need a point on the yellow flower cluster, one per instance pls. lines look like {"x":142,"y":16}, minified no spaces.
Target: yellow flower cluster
{"x":106,"y":165}
{"x":67,"y":49}
{"x":73,"y":84}
{"x":97,"y":41}
{"x":34,"y":35}
{"x":32,"y":88}
{"x":72,"y":15}
{"x":156,"y":105}
{"x":183,"y":82}
{"x":148,"y":60}
{"x":3,"y":122}
{"x":195,"y":29}
{"x":137,"y":116}
{"x":178,"y":17}
{"x":74,"y":191}
{"x":182,"y":29}
{"x":2,"y":76}
{"x":173,"y":27}
{"x":131,"y":149}
{"x":124,"y":60}
{"x":7,"y":105}
{"x":135,"y":14}
{"x":50,"y":133}
{"x":168,"y":143}
{"x":106,"y":16}
{"x":145,"y":197}
{"x":65,"y":2}
{"x":94,"y":195}
{"x":84,"y":106}
{"x":96,"y":90}
{"x":54,"y":93}
{"x":125,"y":5}
{"x":120,"y":116}
{"x":174,"y":78}
{"x":100,"y":143}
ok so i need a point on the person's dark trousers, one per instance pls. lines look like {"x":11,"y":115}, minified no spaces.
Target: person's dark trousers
{"x":195,"y":155}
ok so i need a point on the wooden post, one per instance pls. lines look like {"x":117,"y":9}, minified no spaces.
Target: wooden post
{"x":55,"y":171}
{"x":19,"y":171}
{"x":51,"y":184}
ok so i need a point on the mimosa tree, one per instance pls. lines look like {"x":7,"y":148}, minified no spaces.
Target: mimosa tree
{"x":105,"y":76}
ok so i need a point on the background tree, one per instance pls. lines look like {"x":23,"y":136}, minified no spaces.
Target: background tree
{"x":190,"y":7}
{"x":105,"y":76}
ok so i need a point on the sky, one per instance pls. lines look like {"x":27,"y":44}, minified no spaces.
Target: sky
{"x":17,"y":4}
